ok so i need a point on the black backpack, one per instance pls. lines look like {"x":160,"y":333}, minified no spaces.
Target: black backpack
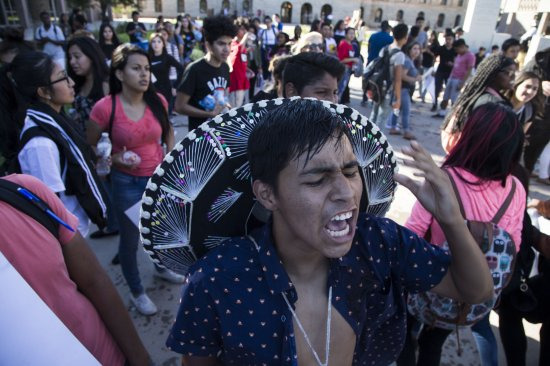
{"x":377,"y":77}
{"x":35,"y":209}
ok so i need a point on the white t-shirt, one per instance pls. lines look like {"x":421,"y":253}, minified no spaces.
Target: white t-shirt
{"x":396,"y":60}
{"x":55,"y":33}
{"x":269,"y":36}
{"x":40,"y":158}
{"x":331,"y":46}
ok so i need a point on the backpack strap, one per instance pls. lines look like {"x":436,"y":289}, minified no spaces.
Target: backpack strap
{"x":455,"y":189}
{"x":37,"y":211}
{"x":505,"y":204}
{"x":112,"y":116}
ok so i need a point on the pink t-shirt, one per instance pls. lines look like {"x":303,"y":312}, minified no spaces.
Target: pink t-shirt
{"x":481,"y":203}
{"x":461,"y":65}
{"x":36,"y":254}
{"x":142,"y":137}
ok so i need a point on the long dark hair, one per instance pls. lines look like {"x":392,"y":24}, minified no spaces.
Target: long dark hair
{"x":116,"y":41}
{"x":120,"y":58}
{"x":490,"y":145}
{"x":486,"y":72}
{"x":100,"y":71}
{"x":19,"y":83}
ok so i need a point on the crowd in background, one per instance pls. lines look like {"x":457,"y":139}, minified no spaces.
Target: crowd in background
{"x":495,"y":114}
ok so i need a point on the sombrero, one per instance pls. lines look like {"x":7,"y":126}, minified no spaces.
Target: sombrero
{"x":201,"y":194}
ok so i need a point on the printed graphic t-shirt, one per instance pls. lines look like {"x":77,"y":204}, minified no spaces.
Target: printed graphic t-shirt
{"x":201,"y":79}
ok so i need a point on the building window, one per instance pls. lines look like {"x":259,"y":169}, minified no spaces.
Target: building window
{"x":181,"y":6}
{"x":286,"y":12}
{"x":458,"y":19}
{"x":141,"y":5}
{"x":440,"y":20}
{"x":246,"y":7}
{"x":378,"y":15}
{"x":203,"y":6}
{"x":225,"y":7}
{"x":460,"y":3}
{"x":420,"y":14}
{"x":8,"y":13}
{"x":306,"y":14}
{"x":326,"y":10}
{"x":399,"y":16}
{"x":443,"y":2}
{"x":158,"y":6}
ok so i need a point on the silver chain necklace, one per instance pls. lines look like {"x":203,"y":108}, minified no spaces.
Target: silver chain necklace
{"x":329,"y":317}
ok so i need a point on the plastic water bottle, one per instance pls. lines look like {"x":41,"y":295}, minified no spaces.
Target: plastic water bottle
{"x":104,"y":147}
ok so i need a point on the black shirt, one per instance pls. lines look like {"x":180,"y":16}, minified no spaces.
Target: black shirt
{"x":446,"y":55}
{"x":134,"y":38}
{"x":201,"y":79}
{"x":108,"y":49}
{"x":160,"y":67}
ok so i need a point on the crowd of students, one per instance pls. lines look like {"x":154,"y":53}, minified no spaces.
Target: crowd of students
{"x":200,"y":69}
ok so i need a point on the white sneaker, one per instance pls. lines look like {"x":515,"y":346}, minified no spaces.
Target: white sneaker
{"x":170,"y":276}
{"x":144,"y":304}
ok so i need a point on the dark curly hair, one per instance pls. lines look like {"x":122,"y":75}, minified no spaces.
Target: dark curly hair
{"x":218,"y":26}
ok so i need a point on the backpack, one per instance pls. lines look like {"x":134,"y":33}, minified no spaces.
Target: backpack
{"x":377,"y":76}
{"x":499,"y":250}
{"x":35,"y":209}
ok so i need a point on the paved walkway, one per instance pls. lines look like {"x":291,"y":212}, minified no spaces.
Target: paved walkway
{"x":154,"y":329}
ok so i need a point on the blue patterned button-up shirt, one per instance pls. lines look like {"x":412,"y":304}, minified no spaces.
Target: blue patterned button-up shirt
{"x":232,"y":305}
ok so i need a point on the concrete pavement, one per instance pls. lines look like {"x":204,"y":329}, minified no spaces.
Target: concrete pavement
{"x":154,"y":329}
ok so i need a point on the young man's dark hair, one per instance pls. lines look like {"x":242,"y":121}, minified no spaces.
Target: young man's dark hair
{"x":218,"y":26}
{"x":308,"y":67}
{"x":494,"y":47}
{"x":134,"y":13}
{"x":459,"y":43}
{"x":415,"y":31}
{"x":400,"y":31}
{"x":418,"y":19}
{"x":348,"y":29}
{"x":44,"y":13}
{"x":290,"y":125}
{"x":385,"y":26}
{"x":510,"y":42}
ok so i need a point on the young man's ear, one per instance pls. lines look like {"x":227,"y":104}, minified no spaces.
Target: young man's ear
{"x":290,"y":90}
{"x":264,"y":194}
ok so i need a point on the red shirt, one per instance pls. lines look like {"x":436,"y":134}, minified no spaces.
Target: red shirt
{"x":38,"y":257}
{"x":142,"y":137}
{"x":345,"y":50}
{"x":238,"y":61}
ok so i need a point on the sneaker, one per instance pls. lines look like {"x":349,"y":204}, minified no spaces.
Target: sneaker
{"x":434,"y":108}
{"x":394,"y":131}
{"x":409,"y":136}
{"x":170,"y":276}
{"x":144,"y":304}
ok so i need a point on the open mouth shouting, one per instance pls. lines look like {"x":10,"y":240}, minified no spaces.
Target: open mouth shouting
{"x":340,"y":225}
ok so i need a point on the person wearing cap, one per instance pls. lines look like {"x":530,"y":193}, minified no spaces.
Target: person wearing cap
{"x":463,"y":65}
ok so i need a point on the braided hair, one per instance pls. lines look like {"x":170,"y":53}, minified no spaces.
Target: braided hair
{"x":486,"y":72}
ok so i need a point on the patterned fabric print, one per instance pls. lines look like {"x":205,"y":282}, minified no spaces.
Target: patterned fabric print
{"x":83,"y":106}
{"x":443,"y":312}
{"x":232,"y":305}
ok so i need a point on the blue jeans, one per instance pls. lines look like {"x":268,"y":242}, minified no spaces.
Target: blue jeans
{"x":344,"y":81}
{"x":486,"y":342}
{"x":404,"y":111}
{"x":127,"y":190}
{"x":112,"y":220}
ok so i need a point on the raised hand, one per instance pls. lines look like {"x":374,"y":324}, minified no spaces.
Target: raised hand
{"x":435,"y":193}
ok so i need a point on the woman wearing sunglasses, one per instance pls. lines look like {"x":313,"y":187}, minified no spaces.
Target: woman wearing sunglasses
{"x":50,"y":148}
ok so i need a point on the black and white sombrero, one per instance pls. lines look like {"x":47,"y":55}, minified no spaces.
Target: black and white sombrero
{"x":201,"y":194}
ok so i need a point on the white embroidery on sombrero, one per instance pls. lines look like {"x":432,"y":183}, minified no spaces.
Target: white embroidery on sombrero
{"x":243,"y":172}
{"x":213,"y":241}
{"x":222,"y":204}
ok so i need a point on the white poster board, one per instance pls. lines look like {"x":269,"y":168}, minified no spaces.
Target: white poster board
{"x":31,"y":334}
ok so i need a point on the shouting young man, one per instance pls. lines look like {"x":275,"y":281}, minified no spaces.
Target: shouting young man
{"x":321,"y":283}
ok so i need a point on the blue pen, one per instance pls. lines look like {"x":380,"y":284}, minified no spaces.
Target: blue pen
{"x":31,"y":197}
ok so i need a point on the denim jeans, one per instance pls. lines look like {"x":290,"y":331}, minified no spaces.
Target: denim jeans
{"x":404,"y":111}
{"x":486,"y":342}
{"x":343,"y":83}
{"x":127,"y":190}
{"x":452,"y":90}
{"x":112,"y":220}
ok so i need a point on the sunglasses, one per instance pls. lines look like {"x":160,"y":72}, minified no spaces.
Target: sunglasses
{"x":64,"y":78}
